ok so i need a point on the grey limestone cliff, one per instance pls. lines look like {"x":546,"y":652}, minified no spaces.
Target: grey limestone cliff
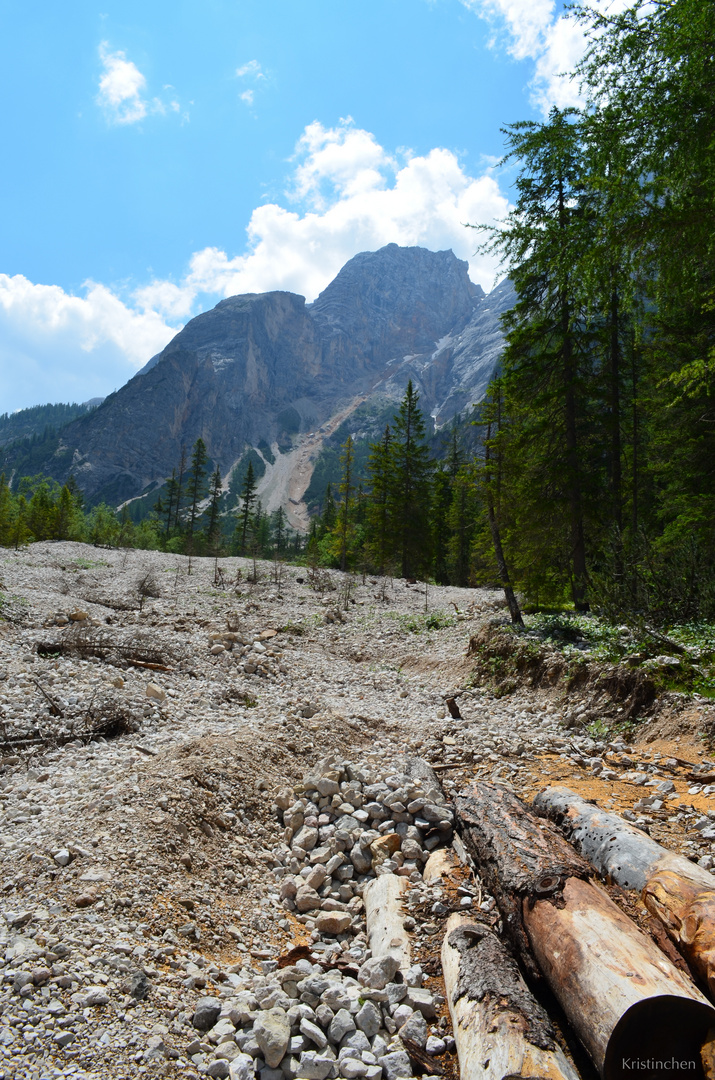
{"x":266,"y":367}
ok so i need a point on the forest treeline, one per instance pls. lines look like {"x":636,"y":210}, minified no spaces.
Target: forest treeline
{"x":594,"y":482}
{"x":600,"y":427}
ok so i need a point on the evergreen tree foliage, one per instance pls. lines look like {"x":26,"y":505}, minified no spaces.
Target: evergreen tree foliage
{"x":409,"y":486}
{"x":248,"y":498}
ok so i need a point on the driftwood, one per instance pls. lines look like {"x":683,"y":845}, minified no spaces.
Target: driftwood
{"x":499,"y":1027}
{"x":384,"y":917}
{"x":679,"y":893}
{"x":623,"y":997}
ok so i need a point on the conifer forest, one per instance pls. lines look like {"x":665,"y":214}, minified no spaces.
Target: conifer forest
{"x":585,"y":479}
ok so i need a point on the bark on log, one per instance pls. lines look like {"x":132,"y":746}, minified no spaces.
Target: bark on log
{"x":517,"y":856}
{"x":614,"y":847}
{"x":624,"y":998}
{"x":679,"y":893}
{"x":385,"y":917}
{"x":500,"y":1029}
{"x":442,"y":863}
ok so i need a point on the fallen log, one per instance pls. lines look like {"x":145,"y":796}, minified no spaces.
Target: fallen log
{"x":679,"y":893}
{"x":442,"y":863}
{"x":384,"y":916}
{"x":625,"y":1000}
{"x":500,"y":1029}
{"x":517,"y":856}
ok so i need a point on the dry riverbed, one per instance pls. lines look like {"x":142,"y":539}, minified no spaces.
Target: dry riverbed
{"x":199,"y":782}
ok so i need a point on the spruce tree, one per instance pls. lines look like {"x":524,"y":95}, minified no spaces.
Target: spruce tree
{"x":213,"y":525}
{"x":379,"y":522}
{"x":330,"y":514}
{"x":409,"y":486}
{"x":347,"y":460}
{"x":180,"y":491}
{"x":196,"y":491}
{"x":546,"y":359}
{"x":248,"y":497}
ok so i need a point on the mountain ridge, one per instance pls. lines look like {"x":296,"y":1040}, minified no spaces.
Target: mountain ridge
{"x":269,"y":367}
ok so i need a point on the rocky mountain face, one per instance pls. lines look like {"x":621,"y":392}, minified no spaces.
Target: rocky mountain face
{"x":269,"y":368}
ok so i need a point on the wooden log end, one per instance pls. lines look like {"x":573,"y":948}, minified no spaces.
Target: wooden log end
{"x":660,"y":1037}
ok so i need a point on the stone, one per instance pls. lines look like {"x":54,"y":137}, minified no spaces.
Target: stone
{"x":272,"y":1033}
{"x":352,"y":1068}
{"x":418,"y":998}
{"x":219,"y":1067}
{"x":314,"y":1066}
{"x":333,"y":922}
{"x":206,"y":1013}
{"x":395,"y":1065}
{"x":241,"y":1068}
{"x":378,"y":972}
{"x":314,"y":1033}
{"x":306,"y":899}
{"x":336,"y":997}
{"x":86,"y":899}
{"x":360,"y":859}
{"x":306,"y":838}
{"x":326,"y":787}
{"x":435,"y":1046}
{"x":341,"y":1025}
{"x":94,"y":995}
{"x":415,"y":1028}
{"x":155,"y":692}
{"x":62,"y":857}
{"x":228,"y":1050}
{"x":64,"y":1038}
{"x":369,"y":1019}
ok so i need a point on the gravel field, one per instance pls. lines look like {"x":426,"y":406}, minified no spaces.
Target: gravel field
{"x":200,"y":780}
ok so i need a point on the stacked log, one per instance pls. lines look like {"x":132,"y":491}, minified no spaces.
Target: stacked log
{"x":500,"y":1029}
{"x":679,"y":893}
{"x":625,"y":1000}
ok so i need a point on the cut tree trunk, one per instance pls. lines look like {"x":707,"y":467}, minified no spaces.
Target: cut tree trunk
{"x":623,"y":997}
{"x":679,"y":893}
{"x":517,"y":856}
{"x":384,"y":916}
{"x":500,"y":1029}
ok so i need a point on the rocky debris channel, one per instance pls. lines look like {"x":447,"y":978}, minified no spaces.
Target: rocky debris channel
{"x":183,"y":889}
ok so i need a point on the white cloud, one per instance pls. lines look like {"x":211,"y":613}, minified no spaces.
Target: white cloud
{"x":252,"y":69}
{"x":356,"y":197}
{"x":533,"y":30}
{"x":121,"y":87}
{"x":253,"y":72}
{"x":345,"y":194}
{"x":59,"y":347}
{"x":122,"y":91}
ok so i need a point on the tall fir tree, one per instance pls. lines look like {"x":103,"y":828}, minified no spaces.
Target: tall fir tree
{"x":379,"y":522}
{"x":196,"y":492}
{"x":248,"y":498}
{"x":409,"y":486}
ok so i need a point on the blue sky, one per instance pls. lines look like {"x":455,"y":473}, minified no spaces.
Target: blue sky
{"x":160,"y":156}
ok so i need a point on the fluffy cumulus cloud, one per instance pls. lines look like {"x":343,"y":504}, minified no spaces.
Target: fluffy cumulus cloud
{"x":122,"y":90}
{"x":58,"y":347}
{"x":345,"y":194}
{"x":541,"y":31}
